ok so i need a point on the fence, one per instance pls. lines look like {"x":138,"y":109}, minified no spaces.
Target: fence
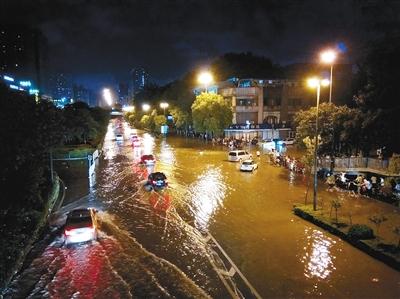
{"x":356,"y":163}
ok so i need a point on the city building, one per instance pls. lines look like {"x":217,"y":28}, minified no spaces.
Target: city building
{"x":263,"y":108}
{"x":60,"y":90}
{"x":82,"y":94}
{"x":20,"y":48}
{"x":123,"y":93}
{"x":139,"y":79}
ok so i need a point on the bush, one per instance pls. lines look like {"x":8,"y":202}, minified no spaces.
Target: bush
{"x":360,"y":232}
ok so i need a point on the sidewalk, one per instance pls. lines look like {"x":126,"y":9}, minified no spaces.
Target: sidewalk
{"x":357,"y":209}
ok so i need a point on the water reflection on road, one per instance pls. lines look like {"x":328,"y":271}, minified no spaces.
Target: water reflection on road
{"x":248,"y":213}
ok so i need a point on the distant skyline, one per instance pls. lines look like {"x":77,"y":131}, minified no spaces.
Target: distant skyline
{"x":100,"y":41}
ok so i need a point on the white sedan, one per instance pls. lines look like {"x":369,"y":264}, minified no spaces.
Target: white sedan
{"x":248,"y":165}
{"x":288,"y":141}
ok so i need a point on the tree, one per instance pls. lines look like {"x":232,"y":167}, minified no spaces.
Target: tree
{"x":377,"y":89}
{"x":159,"y":120}
{"x":341,"y":129}
{"x":145,"y":121}
{"x":211,"y":114}
{"x":181,"y":118}
{"x":377,"y":220}
{"x":244,"y":65}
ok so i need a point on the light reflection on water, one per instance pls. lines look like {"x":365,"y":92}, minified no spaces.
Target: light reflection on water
{"x":207,"y":193}
{"x":147,"y":144}
{"x":317,"y":258}
{"x":166,"y":154}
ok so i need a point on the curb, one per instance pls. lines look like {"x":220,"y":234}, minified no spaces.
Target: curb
{"x":360,"y":244}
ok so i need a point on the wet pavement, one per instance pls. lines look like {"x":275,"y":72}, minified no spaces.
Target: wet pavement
{"x":248,"y":213}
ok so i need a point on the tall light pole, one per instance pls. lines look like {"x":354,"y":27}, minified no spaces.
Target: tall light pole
{"x":205,"y":78}
{"x":164,"y":105}
{"x":316,"y":83}
{"x":329,"y":57}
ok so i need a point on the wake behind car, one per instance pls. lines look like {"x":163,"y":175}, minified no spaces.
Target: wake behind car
{"x":80,"y":226}
{"x":157,"y":181}
{"x":248,"y":165}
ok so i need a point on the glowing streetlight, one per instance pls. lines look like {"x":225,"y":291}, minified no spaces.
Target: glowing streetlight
{"x":329,"y":57}
{"x":205,"y":78}
{"x":107,"y":96}
{"x":146,"y":107}
{"x":164,"y":105}
{"x":316,"y":83}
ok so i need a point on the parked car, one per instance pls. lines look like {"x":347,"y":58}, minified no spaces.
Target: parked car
{"x":157,"y":181}
{"x":238,"y":155}
{"x":268,"y":144}
{"x":248,"y":165}
{"x":288,"y":141}
{"x":148,"y":160}
{"x":80,"y":226}
{"x":119,"y":137}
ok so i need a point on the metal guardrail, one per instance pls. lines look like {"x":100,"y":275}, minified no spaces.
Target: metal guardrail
{"x":228,"y":276}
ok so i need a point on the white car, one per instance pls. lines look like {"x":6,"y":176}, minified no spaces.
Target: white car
{"x":80,"y":226}
{"x":119,"y":137}
{"x":288,"y":141}
{"x":238,"y":155}
{"x":248,"y":165}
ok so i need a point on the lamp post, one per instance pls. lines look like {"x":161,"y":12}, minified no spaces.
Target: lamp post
{"x":164,"y":105}
{"x":329,"y":57}
{"x":316,"y":83}
{"x":205,"y":78}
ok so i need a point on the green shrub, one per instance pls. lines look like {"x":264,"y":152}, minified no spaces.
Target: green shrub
{"x":360,"y":232}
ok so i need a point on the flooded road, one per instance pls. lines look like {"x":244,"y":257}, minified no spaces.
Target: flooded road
{"x":248,"y":213}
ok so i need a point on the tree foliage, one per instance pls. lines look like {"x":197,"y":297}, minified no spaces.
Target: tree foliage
{"x":181,"y":118}
{"x":377,"y":90}
{"x":342,"y":130}
{"x":211,"y":114}
{"x":244,"y":65}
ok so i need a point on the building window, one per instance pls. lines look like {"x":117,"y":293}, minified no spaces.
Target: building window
{"x":270,"y":119}
{"x":246,"y":102}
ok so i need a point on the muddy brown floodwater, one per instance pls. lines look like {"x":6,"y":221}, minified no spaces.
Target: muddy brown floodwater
{"x":250,"y":214}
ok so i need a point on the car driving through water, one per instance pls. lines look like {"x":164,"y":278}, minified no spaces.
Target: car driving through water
{"x":248,"y":165}
{"x":80,"y":226}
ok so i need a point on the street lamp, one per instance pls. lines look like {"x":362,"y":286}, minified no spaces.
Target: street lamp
{"x":316,"y":83}
{"x":107,"y":96}
{"x":164,"y":105}
{"x":329,"y":57}
{"x":205,"y":78}
{"x":146,"y":107}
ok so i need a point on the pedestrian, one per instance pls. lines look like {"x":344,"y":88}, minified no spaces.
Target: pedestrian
{"x":258,"y":154}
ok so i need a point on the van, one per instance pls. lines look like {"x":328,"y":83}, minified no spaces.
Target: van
{"x":238,"y":155}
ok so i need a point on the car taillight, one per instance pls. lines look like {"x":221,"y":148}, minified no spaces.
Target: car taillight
{"x":154,"y":182}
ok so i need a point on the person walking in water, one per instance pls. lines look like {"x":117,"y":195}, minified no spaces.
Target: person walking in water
{"x":258,"y":154}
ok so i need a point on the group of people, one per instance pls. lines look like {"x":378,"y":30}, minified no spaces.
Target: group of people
{"x":293,"y":164}
{"x":371,"y":186}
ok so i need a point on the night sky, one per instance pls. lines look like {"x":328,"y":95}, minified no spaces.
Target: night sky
{"x":105,"y":39}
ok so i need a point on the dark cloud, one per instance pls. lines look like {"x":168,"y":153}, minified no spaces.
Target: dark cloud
{"x":168,"y":37}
